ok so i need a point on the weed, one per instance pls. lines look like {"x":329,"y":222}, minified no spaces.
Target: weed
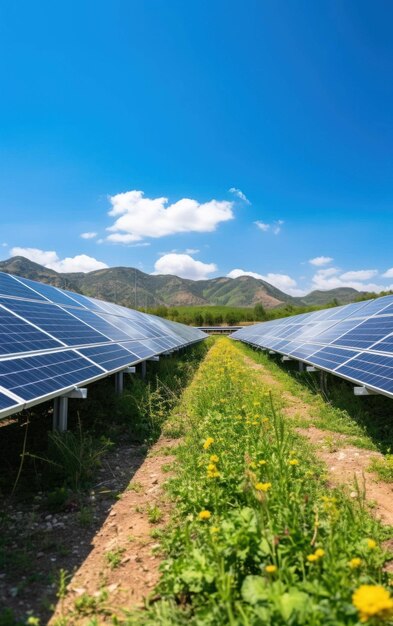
{"x":114,"y":557}
{"x":154,"y":514}
{"x":135,"y":486}
{"x":85,"y":516}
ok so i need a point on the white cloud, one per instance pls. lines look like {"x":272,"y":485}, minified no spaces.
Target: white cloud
{"x":138,"y":217}
{"x":192,"y":251}
{"x":50,"y":259}
{"x":388,"y":273}
{"x":262,"y":226}
{"x":274,"y":227}
{"x":330,"y":271}
{"x":323,"y":280}
{"x":281,"y":281}
{"x":88,"y":235}
{"x":239,"y":194}
{"x":318,"y":261}
{"x":359,"y":275}
{"x":183,"y":265}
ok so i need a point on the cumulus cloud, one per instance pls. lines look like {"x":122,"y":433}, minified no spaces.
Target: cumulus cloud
{"x":324,"y":280}
{"x":138,"y":217}
{"x":239,"y":194}
{"x":281,"y":281}
{"x":274,"y":227}
{"x":51,"y":260}
{"x":183,"y":265}
{"x":359,"y":275}
{"x":88,"y":235}
{"x":388,"y":273}
{"x":318,"y":261}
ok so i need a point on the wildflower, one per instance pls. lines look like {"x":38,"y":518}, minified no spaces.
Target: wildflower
{"x":214,"y":458}
{"x":33,"y":621}
{"x":208,"y":442}
{"x":263,"y":486}
{"x":319,"y":553}
{"x":214,"y":529}
{"x":355,"y":562}
{"x":211,"y":467}
{"x":262,"y":462}
{"x":293,"y":462}
{"x":265,"y":420}
{"x":204,"y":515}
{"x":252,"y":464}
{"x":271,"y":569}
{"x":371,"y":544}
{"x":312,"y":558}
{"x":373,"y":601}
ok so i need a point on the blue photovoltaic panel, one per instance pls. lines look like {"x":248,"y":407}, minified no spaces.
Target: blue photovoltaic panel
{"x":38,"y":322}
{"x":51,"y":293}
{"x":354,"y":341}
{"x":366,"y":333}
{"x":331,"y":357}
{"x":56,"y":321}
{"x":375,"y":370}
{"x":139,"y":349}
{"x":6,"y":402}
{"x":109,"y":357}
{"x":16,"y":335}
{"x":36,"y":376}
{"x":10,"y":286}
{"x":98,"y":323}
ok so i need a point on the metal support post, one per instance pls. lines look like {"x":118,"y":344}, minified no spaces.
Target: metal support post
{"x":143,"y":369}
{"x":285,"y":358}
{"x":302,"y":366}
{"x":311,"y":368}
{"x":60,"y":408}
{"x":119,"y":383}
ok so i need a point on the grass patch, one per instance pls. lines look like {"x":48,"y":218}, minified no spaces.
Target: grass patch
{"x":256,"y":537}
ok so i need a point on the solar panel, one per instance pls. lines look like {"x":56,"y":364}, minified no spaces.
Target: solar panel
{"x":354,"y":341}
{"x":52,"y":340}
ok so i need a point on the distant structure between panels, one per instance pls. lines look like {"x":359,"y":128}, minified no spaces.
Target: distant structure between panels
{"x":53,"y":341}
{"x":354,"y":341}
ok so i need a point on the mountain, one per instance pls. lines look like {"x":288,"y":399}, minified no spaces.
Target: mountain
{"x":133,"y":288}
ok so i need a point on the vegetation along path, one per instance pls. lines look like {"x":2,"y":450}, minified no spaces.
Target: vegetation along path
{"x":233,"y":519}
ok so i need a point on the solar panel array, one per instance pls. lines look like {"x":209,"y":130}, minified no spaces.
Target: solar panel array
{"x":354,"y":341}
{"x":52,"y":340}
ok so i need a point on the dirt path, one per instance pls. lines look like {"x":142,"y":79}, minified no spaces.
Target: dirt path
{"x":123,"y":565}
{"x":346,"y":465}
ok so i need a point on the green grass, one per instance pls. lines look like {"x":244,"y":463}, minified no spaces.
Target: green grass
{"x":256,"y":537}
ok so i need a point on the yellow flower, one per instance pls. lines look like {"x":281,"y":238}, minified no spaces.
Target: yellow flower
{"x":355,"y":562}
{"x":211,"y":467}
{"x":270,"y":569}
{"x":204,"y":515}
{"x":263,"y":486}
{"x":33,"y":621}
{"x":252,"y":464}
{"x":214,"y":458}
{"x":319,"y":553}
{"x":214,"y":529}
{"x":293,"y":462}
{"x":373,"y":601}
{"x":371,"y":544}
{"x":208,"y":443}
{"x":265,"y":420}
{"x":262,"y":462}
{"x":213,"y":474}
{"x":312,"y":558}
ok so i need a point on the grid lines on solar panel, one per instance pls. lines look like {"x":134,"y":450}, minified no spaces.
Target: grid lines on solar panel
{"x":374,"y":370}
{"x":100,"y":324}
{"x":6,"y":402}
{"x":367,"y":333}
{"x":371,"y":307}
{"x":35,"y":376}
{"x":139,"y":349}
{"x":51,"y":293}
{"x":10,"y":286}
{"x":331,"y":357}
{"x":110,"y":357}
{"x":56,"y":321}
{"x":16,"y":335}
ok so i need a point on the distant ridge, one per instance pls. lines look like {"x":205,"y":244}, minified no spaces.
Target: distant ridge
{"x":133,"y":288}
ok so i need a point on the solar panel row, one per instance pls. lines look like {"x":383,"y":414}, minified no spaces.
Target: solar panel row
{"x":52,"y":340}
{"x":354,"y":341}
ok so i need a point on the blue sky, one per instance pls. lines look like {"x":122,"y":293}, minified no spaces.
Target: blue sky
{"x":131,"y":121}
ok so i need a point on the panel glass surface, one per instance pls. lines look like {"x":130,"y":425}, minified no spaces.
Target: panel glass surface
{"x":10,"y":286}
{"x":16,"y":335}
{"x":331,"y":357}
{"x":366,"y":333}
{"x":374,"y":370}
{"x":110,"y":357}
{"x":6,"y":402}
{"x":36,"y":376}
{"x":51,"y":293}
